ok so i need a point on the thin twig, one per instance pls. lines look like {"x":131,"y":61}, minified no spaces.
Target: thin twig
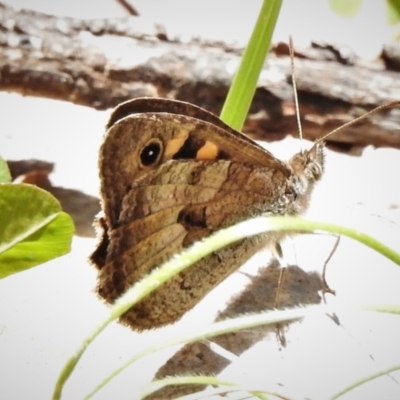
{"x":128,"y":7}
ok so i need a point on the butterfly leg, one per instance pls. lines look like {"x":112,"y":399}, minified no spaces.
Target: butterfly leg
{"x":278,"y":255}
{"x":327,"y":289}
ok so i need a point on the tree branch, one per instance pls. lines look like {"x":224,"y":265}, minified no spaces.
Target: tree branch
{"x":100,"y":63}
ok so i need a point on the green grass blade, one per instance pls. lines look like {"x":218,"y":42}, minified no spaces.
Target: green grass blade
{"x":219,"y":328}
{"x":230,"y":387}
{"x":240,"y":96}
{"x":199,"y":250}
{"x":365,"y":380}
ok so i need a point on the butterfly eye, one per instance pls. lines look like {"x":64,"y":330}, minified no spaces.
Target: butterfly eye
{"x":315,"y":170}
{"x":151,"y":153}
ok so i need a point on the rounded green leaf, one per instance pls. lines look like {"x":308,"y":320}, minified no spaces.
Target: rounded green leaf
{"x":33,"y":228}
{"x":5,"y":175}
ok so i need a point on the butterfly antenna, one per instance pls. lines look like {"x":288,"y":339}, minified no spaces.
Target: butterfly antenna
{"x":367,"y":114}
{"x":296,"y":100}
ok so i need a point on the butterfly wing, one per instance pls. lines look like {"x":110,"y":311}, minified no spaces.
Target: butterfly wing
{"x":175,"y":107}
{"x":201,"y":177}
{"x":180,"y":136}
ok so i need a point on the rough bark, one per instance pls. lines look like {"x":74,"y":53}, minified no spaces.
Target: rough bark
{"x":100,"y":63}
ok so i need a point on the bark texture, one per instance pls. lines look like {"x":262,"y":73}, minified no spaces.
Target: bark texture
{"x":100,"y":63}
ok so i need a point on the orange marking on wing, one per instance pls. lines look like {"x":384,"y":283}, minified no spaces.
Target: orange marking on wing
{"x":208,"y":152}
{"x":173,"y":146}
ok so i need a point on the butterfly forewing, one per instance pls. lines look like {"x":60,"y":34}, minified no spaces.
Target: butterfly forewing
{"x":181,"y":137}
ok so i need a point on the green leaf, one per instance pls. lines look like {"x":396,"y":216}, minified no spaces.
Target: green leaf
{"x":393,"y":11}
{"x":33,"y":228}
{"x":5,"y":175}
{"x":345,"y":8}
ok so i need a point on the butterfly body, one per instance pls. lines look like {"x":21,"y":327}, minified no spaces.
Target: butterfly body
{"x":172,"y":174}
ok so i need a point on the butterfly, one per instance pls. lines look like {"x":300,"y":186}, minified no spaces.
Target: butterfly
{"x":172,"y":174}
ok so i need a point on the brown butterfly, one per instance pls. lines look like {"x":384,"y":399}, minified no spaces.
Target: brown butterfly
{"x":172,"y":174}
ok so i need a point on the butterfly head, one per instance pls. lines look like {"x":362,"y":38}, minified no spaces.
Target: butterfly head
{"x":308,"y":168}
